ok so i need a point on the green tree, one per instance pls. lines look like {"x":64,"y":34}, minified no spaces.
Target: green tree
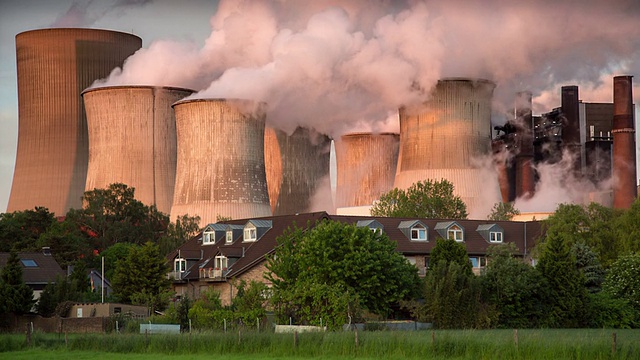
{"x":141,"y":278}
{"x":184,"y":228}
{"x":623,"y":279}
{"x":15,"y":296}
{"x":340,"y":265}
{"x":424,"y":199}
{"x":183,"y":312}
{"x":451,"y":251}
{"x":20,"y":230}
{"x":503,"y":212}
{"x":567,"y":295}
{"x":249,"y":303}
{"x":589,"y":266}
{"x":627,"y":229}
{"x":516,"y":290}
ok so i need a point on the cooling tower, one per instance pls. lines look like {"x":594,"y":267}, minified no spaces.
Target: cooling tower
{"x":366,"y":165}
{"x":295,"y":165}
{"x":624,"y":153}
{"x":220,"y":169}
{"x":442,"y":140}
{"x":54,"y":66}
{"x":132,"y":140}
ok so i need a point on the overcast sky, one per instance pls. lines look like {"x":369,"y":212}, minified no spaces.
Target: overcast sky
{"x":341,"y":66}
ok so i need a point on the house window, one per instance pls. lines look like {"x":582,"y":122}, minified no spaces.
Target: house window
{"x":427,"y":260}
{"x":208,"y":237}
{"x":229,"y":236}
{"x":419,"y":233}
{"x":455,"y":233}
{"x":250,"y":234}
{"x":28,"y":263}
{"x":221,"y":263}
{"x":495,"y":236}
{"x":478,"y":262}
{"x":180,"y":265}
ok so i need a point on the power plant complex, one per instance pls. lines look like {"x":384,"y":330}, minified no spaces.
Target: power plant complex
{"x":216,"y":158}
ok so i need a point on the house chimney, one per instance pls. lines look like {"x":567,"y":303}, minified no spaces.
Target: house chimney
{"x":624,"y":155}
{"x":46,"y":251}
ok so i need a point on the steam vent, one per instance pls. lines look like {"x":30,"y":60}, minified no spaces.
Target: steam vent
{"x":296,"y":164}
{"x":366,"y":167}
{"x":220,"y":169}
{"x":132,"y":140}
{"x":54,"y":66}
{"x":441,"y":140}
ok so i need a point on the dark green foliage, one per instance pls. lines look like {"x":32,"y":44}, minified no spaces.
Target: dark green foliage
{"x":589,"y":266}
{"x":75,"y":288}
{"x":627,"y":229}
{"x":503,"y":212}
{"x":567,"y":294}
{"x":184,"y":228}
{"x":623,"y":279}
{"x":516,"y":290}
{"x":452,"y":298}
{"x":249,"y":303}
{"x":20,"y":230}
{"x":424,"y":199}
{"x":15,"y":296}
{"x":141,"y":278}
{"x":67,"y":242}
{"x":451,"y":251}
{"x":342,"y":266}
{"x":183,"y":312}
{"x":610,"y":311}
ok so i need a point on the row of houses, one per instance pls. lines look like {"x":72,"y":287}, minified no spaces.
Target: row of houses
{"x":230,"y":251}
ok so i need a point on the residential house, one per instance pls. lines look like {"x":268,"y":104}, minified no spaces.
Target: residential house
{"x":230,"y":251}
{"x":38,"y":269}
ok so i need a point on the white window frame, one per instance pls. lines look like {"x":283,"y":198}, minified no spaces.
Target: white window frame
{"x":208,"y":237}
{"x":481,"y":261}
{"x":250,"y":233}
{"x":495,"y":236}
{"x":456,"y":233}
{"x":229,"y":236}
{"x":180,"y":265}
{"x":221,"y":262}
{"x":418,"y":230}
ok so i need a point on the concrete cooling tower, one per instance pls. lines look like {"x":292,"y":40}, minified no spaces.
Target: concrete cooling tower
{"x":295,"y":164}
{"x":54,"y":66}
{"x":132,"y":140}
{"x":220,"y":169}
{"x":366,"y":165}
{"x":441,"y":140}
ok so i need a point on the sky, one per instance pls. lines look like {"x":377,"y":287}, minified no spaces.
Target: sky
{"x":343,"y":66}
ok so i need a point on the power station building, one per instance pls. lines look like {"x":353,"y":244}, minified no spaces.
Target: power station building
{"x":443,"y":139}
{"x":220,"y":170}
{"x":296,"y":165}
{"x":132,"y":140}
{"x":54,"y":66}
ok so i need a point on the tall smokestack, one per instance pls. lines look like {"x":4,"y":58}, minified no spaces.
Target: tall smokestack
{"x":624,"y":149}
{"x":525,"y":177}
{"x":571,"y":129}
{"x":54,"y":67}
{"x":220,"y":169}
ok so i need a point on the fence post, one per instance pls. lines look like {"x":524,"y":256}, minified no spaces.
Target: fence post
{"x":258,"y":324}
{"x":614,"y":344}
{"x":225,"y":324}
{"x":66,"y":340}
{"x":28,"y":335}
{"x":239,"y":336}
{"x":433,"y":338}
{"x":295,"y":339}
{"x":356,"y":337}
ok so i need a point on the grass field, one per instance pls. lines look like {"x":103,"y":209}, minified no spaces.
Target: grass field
{"x":439,"y":344}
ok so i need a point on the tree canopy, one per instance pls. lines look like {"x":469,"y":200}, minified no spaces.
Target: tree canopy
{"x":15,"y":296}
{"x":503,"y":212}
{"x":333,"y":270}
{"x":425,"y":199}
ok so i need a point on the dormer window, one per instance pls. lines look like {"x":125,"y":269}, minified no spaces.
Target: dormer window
{"x":495,"y":237}
{"x":419,"y":233}
{"x":250,"y":234}
{"x":455,"y":233}
{"x":208,"y":237}
{"x":221,"y":262}
{"x":180,"y":265}
{"x":229,"y":236}
{"x":373,"y":225}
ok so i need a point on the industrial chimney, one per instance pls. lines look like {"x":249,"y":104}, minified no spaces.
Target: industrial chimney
{"x":571,"y":126}
{"x":525,"y":177}
{"x":54,"y":67}
{"x":624,"y":149}
{"x":295,"y":165}
{"x":132,"y":140}
{"x":366,"y":165}
{"x":220,"y":169}
{"x":442,"y":140}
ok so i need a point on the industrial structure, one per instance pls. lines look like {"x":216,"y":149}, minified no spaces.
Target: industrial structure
{"x":132,"y":140}
{"x":366,"y":167}
{"x":54,"y":66}
{"x":295,"y":165}
{"x":624,"y":146}
{"x":220,"y":168}
{"x":443,"y":139}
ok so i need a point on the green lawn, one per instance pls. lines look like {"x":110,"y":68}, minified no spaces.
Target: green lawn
{"x":440,"y":344}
